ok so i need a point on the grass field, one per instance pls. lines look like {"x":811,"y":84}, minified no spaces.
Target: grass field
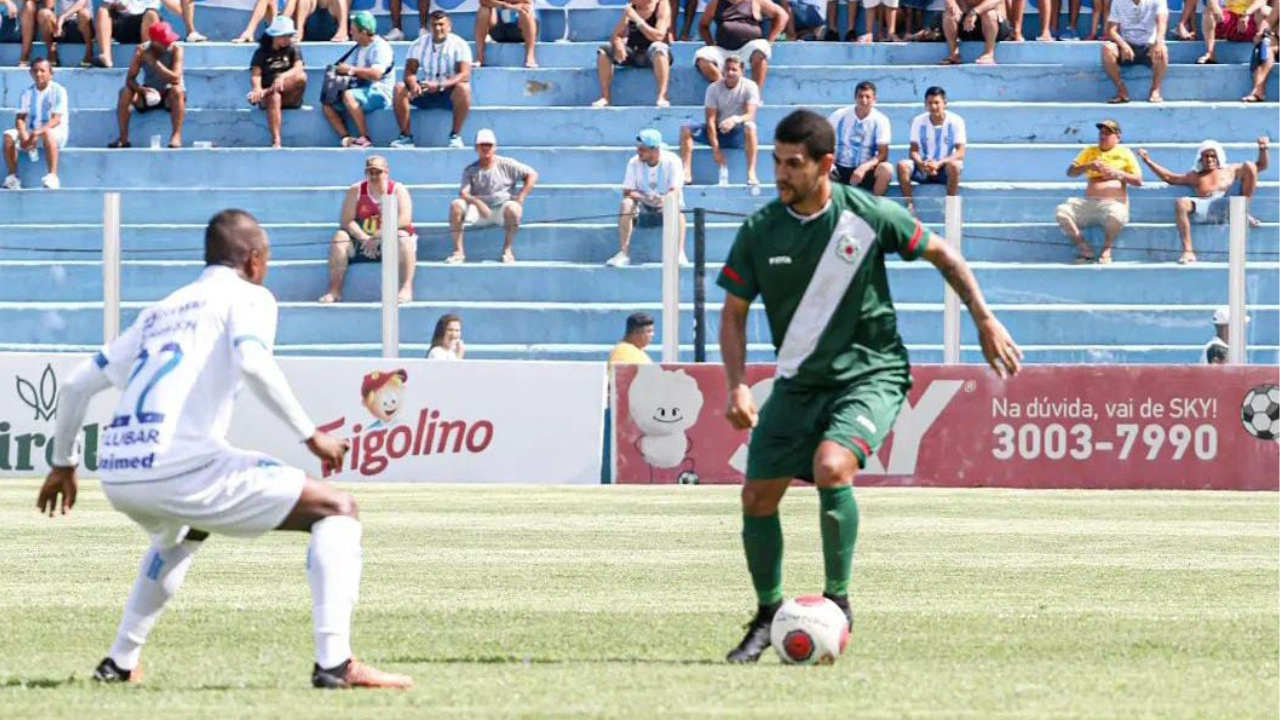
{"x":615,"y":602}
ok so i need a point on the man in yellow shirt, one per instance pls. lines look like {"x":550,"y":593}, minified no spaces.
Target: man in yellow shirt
{"x":1110,"y":169}
{"x":631,"y":348}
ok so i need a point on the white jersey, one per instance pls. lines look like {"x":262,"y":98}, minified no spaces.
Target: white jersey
{"x":1214,"y":347}
{"x":859,"y":139}
{"x":437,"y":62}
{"x":179,"y":370}
{"x":658,"y":179}
{"x":937,"y":141}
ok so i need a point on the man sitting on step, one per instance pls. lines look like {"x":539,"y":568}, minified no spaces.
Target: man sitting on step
{"x":638,"y":40}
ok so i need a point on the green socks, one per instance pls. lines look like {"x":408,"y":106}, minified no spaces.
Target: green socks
{"x":762,"y":540}
{"x":839,"y":532}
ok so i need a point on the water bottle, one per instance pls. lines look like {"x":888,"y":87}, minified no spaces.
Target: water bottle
{"x":33,"y":154}
{"x":724,"y":175}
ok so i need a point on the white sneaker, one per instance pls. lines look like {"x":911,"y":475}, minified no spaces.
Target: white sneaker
{"x":51,"y":181}
{"x":619,"y":260}
{"x":395,"y":35}
{"x":684,"y":260}
{"x":12,"y":183}
{"x":600,"y":103}
{"x":195,"y":37}
{"x":455,"y":141}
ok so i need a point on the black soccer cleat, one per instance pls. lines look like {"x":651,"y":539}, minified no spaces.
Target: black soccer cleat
{"x":757,"y":638}
{"x":842,"y":602}
{"x":109,"y":672}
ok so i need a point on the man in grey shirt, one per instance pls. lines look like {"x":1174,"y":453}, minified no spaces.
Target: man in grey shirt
{"x":488,"y":196}
{"x":730,"y":105}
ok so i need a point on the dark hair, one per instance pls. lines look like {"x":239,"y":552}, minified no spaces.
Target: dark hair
{"x":437,"y":337}
{"x":638,"y":321}
{"x":436,"y":15}
{"x":935,"y":90}
{"x":865,"y":85}
{"x":41,"y":59}
{"x":808,"y":128}
{"x":1216,"y":355}
{"x":230,"y":237}
{"x":733,"y":59}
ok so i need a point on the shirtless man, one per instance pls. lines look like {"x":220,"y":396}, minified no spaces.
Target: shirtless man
{"x":1211,"y":179}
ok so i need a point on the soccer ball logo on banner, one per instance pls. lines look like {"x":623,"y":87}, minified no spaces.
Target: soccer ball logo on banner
{"x":1260,"y":412}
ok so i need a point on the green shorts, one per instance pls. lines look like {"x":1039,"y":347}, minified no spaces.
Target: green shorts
{"x":795,"y":419}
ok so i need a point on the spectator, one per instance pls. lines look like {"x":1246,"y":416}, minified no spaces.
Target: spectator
{"x":805,"y":20}
{"x":127,"y":22}
{"x":1135,"y":34}
{"x":446,"y":341}
{"x":374,"y":67}
{"x":652,"y":175}
{"x":507,"y":21}
{"x":1098,"y":11}
{"x":277,"y":76}
{"x":1216,"y":350}
{"x":1210,"y":180}
{"x":833,"y":20}
{"x":69,"y":20}
{"x":321,"y":19}
{"x":881,"y":18}
{"x":1186,"y":27}
{"x":186,"y":9}
{"x":863,"y":134}
{"x":444,"y":61}
{"x":397,"y":32}
{"x":690,"y":9}
{"x":630,"y":350}
{"x":160,"y":62}
{"x":41,"y":121}
{"x":730,"y":104}
{"x":740,"y":34}
{"x":488,"y":196}
{"x":937,"y":148}
{"x":1261,"y":60}
{"x":1243,"y":21}
{"x":1048,"y":19}
{"x":1109,"y":168}
{"x":359,"y":235}
{"x":638,"y":40}
{"x":264,"y":10}
{"x":974,"y":20}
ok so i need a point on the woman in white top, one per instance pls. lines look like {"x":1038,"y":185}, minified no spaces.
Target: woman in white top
{"x":446,"y":342}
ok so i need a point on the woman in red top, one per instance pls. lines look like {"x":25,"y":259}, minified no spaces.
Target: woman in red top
{"x":360,"y":230}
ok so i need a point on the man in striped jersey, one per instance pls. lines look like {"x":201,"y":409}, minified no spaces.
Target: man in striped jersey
{"x":937,"y":148}
{"x":443,"y":60}
{"x":41,"y":122}
{"x":862,"y":142}
{"x":816,"y":256}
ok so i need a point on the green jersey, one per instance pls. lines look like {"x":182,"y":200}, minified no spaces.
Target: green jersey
{"x":824,"y":285}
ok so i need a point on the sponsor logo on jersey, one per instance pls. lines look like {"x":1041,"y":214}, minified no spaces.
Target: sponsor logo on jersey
{"x":780,"y":260}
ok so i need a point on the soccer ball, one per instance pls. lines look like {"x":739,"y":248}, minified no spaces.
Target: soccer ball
{"x":688,"y":477}
{"x":1260,"y":412}
{"x":809,"y":630}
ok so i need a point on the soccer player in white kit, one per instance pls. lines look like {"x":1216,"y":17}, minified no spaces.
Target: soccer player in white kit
{"x":165,"y":461}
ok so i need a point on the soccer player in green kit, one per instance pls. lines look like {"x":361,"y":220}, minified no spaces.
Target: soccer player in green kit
{"x":816,"y":257}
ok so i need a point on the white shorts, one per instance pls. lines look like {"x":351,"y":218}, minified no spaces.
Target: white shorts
{"x":474,"y":220}
{"x":59,"y":136}
{"x":716,"y":54}
{"x":239,"y":493}
{"x":868,"y":4}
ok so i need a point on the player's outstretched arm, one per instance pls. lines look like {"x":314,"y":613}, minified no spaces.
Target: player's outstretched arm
{"x":741,"y":412}
{"x":998,"y":348}
{"x":58,"y":494}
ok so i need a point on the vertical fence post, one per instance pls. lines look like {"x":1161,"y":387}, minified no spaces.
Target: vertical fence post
{"x":700,"y":285}
{"x":951,"y":301}
{"x":110,"y":266}
{"x":1239,"y":229}
{"x":390,"y":276}
{"x":670,"y":278}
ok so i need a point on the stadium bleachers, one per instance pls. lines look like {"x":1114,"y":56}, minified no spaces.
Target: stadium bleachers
{"x":1026,"y":120}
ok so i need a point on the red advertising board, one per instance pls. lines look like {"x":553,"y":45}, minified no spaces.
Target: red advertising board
{"x":1114,"y":427}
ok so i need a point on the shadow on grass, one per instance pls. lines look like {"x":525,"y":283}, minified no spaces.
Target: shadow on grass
{"x":37,"y":683}
{"x":516,"y":660}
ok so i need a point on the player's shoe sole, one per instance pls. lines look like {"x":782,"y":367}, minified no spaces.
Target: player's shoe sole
{"x":108,"y":672}
{"x":757,"y":638}
{"x":355,"y":674}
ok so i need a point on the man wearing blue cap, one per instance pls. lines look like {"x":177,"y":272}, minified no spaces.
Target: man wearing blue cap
{"x":652,"y":174}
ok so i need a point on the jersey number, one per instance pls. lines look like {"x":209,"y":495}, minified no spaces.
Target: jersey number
{"x":161,"y":368}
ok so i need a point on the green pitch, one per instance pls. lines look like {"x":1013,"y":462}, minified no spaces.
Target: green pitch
{"x":619,"y":603}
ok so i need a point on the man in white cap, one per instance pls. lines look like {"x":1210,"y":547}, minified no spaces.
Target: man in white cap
{"x":1215,"y":351}
{"x":1210,"y":180}
{"x":488,"y":196}
{"x":652,"y":174}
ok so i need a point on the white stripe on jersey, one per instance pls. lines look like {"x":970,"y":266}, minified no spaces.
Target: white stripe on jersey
{"x":40,"y":105}
{"x":857,"y":140}
{"x":937,"y":142}
{"x":438,"y":62}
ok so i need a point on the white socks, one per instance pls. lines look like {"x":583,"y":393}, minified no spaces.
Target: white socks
{"x":333,"y":571}
{"x":159,"y":576}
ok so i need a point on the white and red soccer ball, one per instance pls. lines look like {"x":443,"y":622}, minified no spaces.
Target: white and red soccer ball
{"x":809,"y":630}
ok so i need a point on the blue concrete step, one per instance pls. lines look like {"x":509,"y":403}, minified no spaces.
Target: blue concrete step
{"x":488,"y":322}
{"x":232,"y":167}
{"x":983,"y":202}
{"x":583,"y":54}
{"x":226,"y":87}
{"x":986,"y":122}
{"x":595,"y":242}
{"x":81,"y":281}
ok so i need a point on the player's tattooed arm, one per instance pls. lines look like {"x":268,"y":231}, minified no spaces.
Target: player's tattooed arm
{"x":998,"y":347}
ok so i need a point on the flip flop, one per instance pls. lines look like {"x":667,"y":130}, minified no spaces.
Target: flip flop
{"x":1187,"y":258}
{"x":1082,"y":259}
{"x":1105,"y":258}
{"x":1206,"y":60}
{"x":117,"y":145}
{"x":1252,"y":98}
{"x":327,"y":299}
{"x":455,"y":259}
{"x":1118,"y":100}
{"x":951,"y":61}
